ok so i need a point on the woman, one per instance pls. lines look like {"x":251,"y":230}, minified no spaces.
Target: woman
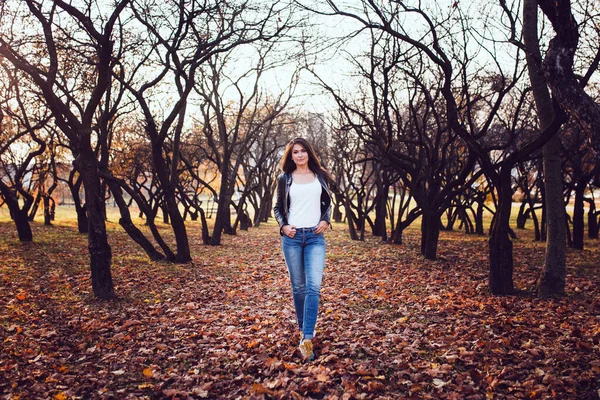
{"x":303,"y":211}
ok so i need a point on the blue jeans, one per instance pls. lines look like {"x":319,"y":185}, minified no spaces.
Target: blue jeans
{"x":305,"y":258}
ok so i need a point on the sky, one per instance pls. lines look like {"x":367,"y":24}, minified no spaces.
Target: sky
{"x":331,"y":61}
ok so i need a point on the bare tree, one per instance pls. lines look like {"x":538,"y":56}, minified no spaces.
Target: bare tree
{"x":21,"y":146}
{"x":132,"y":171}
{"x":179,"y":37}
{"x":558,"y":67}
{"x":232,"y":127}
{"x":528,"y":179}
{"x":447,"y":40}
{"x":581,"y":167}
{"x":552,"y":280}
{"x":400,"y":118}
{"x":73,"y":108}
{"x":259,"y":166}
{"x":354,"y":170}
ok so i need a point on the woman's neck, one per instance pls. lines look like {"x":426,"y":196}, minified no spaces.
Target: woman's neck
{"x":304,"y":170}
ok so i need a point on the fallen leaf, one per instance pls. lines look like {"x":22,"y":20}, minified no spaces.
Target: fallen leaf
{"x":148,"y":373}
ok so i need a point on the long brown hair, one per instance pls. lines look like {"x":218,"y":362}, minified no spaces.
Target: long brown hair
{"x":288,"y":165}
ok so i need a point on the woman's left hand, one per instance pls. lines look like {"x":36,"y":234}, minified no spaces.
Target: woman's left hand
{"x":321,"y":227}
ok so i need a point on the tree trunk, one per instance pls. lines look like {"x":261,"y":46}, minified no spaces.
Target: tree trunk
{"x":479,"y":217}
{"x":522,"y":215}
{"x":103,"y":191}
{"x":337,"y":210}
{"x":452,"y":214}
{"x":181,"y":238}
{"x":500,"y":245}
{"x":266,"y":210}
{"x":36,"y":205}
{"x":205,"y":234}
{"x":223,"y":218}
{"x":259,"y":202}
{"x":127,"y":224}
{"x":147,"y":212}
{"x":165,"y":212}
{"x":99,"y":249}
{"x":397,"y":235}
{"x":80,"y":209}
{"x":536,"y":224}
{"x":47,"y":214}
{"x":552,"y":279}
{"x":260,"y":214}
{"x":361,"y":221}
{"x":350,"y":218}
{"x":568,"y":230}
{"x":594,"y":225}
{"x":222,"y":215}
{"x":171,"y":206}
{"x":544,"y":223}
{"x":23,"y":227}
{"x":227,"y":226}
{"x":578,"y":216}
{"x":19,"y":216}
{"x":466,"y":220}
{"x":379,"y":228}
{"x":430,"y":232}
{"x":592,"y":221}
{"x":53,"y":210}
{"x":82,"y":218}
{"x":244,"y":219}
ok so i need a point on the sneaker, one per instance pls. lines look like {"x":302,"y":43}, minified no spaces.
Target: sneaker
{"x":306,"y":349}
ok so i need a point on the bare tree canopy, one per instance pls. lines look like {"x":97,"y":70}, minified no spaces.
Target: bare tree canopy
{"x":176,"y":112}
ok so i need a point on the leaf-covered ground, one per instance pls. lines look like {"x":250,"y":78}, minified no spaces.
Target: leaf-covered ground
{"x":392,"y":325}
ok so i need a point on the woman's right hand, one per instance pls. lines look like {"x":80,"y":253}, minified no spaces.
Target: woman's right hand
{"x":289,"y":230}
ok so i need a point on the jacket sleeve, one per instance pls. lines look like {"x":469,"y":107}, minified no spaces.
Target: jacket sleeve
{"x":327,"y":216}
{"x":279,"y":208}
{"x":326,"y":201}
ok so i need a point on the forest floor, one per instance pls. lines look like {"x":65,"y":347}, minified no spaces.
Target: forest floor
{"x":392,"y":325}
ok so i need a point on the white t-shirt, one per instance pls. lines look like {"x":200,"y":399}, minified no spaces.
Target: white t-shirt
{"x":305,"y":204}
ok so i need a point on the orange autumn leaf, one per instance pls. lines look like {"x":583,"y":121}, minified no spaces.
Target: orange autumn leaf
{"x":148,"y":373}
{"x":258,"y":389}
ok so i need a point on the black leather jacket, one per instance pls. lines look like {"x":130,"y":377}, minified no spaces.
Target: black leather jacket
{"x":282,"y":208}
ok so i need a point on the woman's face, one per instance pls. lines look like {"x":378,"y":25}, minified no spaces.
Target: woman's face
{"x":299,"y":155}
